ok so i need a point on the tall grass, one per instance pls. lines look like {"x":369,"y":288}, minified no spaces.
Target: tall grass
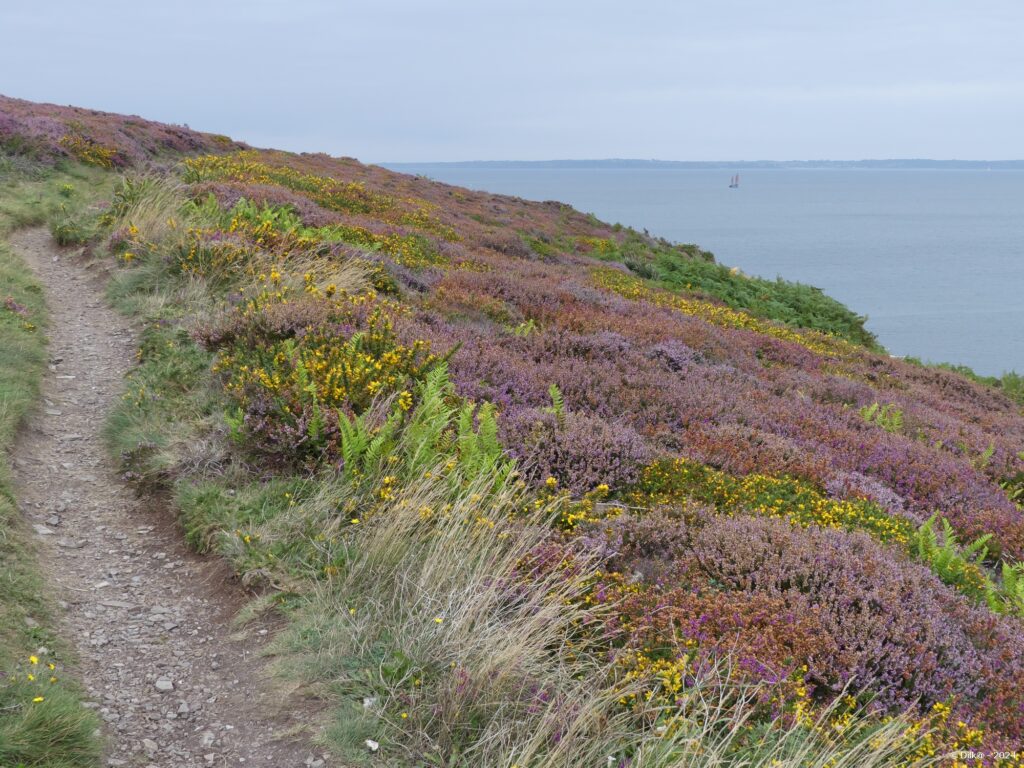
{"x":443,"y":645}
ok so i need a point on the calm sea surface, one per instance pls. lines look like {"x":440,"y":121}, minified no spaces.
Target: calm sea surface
{"x":934,"y":258}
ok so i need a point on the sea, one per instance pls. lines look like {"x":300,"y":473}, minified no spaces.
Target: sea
{"x":933,"y":257}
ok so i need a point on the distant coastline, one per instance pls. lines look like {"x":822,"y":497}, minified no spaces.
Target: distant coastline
{"x":909,"y":164}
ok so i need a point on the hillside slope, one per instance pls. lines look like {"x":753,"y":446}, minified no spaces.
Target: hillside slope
{"x":381,"y":397}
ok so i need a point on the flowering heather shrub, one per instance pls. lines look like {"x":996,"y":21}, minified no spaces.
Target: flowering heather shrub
{"x":854,"y":485}
{"x":509,"y":244}
{"x":48,"y":131}
{"x":647,"y":546}
{"x":1001,"y":645}
{"x":13,"y":306}
{"x":410,"y":279}
{"x":893,"y":621}
{"x":740,"y":450}
{"x":581,"y":452}
{"x":691,"y":388}
{"x":807,"y":610}
{"x":767,"y":639}
{"x":347,"y":197}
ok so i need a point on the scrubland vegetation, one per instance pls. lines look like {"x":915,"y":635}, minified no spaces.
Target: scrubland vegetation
{"x":537,"y":491}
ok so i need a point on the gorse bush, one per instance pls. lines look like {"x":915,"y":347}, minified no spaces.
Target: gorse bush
{"x":667,"y":483}
{"x":293,"y":393}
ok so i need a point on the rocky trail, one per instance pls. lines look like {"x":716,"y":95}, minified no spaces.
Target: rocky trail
{"x":176,"y":684}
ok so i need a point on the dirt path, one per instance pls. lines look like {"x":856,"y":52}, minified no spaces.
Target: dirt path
{"x":174,"y":683}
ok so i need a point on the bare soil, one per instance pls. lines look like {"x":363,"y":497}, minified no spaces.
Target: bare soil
{"x":175,"y":683}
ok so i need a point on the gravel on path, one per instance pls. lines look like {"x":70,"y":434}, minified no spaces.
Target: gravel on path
{"x":175,"y":683}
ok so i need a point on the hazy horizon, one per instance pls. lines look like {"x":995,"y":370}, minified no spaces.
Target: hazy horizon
{"x":400,"y":81}
{"x":711,"y":161}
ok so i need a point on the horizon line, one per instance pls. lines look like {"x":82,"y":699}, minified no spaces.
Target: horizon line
{"x":707,"y":162}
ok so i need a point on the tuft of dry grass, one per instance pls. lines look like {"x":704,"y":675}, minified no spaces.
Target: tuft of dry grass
{"x":443,"y":645}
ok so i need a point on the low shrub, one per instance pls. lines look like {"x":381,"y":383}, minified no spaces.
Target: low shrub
{"x":579,"y":451}
{"x":670,"y":482}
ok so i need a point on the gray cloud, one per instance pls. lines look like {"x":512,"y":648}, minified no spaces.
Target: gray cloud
{"x":469,"y":79}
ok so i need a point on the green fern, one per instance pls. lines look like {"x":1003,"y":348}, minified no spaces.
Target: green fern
{"x":354,"y":440}
{"x":480,"y":453}
{"x":1010,"y":595}
{"x":959,"y":566}
{"x":427,"y":424}
{"x":525,"y":328}
{"x":984,"y":458}
{"x":438,"y":431}
{"x":888,"y":416}
{"x":235,"y":420}
{"x":381,"y":446}
{"x":557,"y":405}
{"x":315,"y":427}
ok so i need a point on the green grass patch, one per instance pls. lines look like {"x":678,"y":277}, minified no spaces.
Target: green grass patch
{"x":684,"y":267}
{"x":168,"y":418}
{"x":1010,"y":383}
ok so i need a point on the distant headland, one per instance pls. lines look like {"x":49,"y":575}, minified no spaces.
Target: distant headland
{"x":912,"y":164}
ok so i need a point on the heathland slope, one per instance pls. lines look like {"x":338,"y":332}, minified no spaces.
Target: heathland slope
{"x":536,"y":490}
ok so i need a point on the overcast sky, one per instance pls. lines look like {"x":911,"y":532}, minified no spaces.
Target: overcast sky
{"x":541,"y":79}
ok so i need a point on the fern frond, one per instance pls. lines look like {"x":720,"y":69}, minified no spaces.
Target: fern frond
{"x":557,"y":404}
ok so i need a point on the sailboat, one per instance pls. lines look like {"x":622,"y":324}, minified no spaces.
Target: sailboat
{"x":734,"y":182}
